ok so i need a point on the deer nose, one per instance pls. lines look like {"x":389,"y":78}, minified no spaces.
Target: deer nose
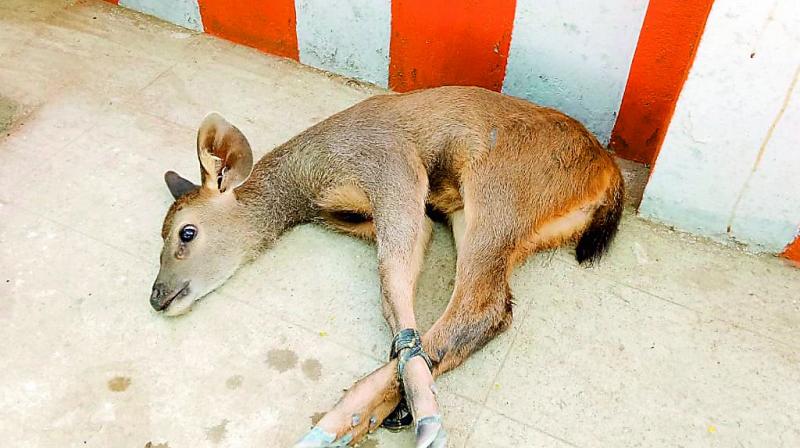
{"x":157,"y":297}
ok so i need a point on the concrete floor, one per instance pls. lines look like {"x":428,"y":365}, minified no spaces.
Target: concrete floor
{"x":670,"y":341}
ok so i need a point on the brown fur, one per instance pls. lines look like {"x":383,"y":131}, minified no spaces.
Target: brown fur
{"x":515,"y":177}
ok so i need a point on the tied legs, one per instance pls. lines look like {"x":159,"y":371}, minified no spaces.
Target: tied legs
{"x":406,"y":344}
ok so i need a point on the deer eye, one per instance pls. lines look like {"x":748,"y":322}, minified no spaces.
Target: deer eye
{"x":187,"y":233}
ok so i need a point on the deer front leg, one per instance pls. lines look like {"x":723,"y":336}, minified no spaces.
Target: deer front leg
{"x":402,"y":232}
{"x":399,"y":274}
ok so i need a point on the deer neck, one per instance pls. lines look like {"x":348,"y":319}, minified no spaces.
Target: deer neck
{"x":276,"y":196}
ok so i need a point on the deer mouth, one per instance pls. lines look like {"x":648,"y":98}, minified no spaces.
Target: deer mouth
{"x":180,"y":292}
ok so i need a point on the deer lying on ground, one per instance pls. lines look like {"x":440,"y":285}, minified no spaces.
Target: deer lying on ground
{"x":512,"y":178}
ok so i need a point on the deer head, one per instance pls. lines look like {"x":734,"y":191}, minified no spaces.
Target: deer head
{"x":206,"y":231}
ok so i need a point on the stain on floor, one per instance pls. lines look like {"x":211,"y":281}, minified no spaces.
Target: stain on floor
{"x":119,"y":384}
{"x":368,"y":443}
{"x":215,"y":434}
{"x":282,"y":360}
{"x":312,"y":369}
{"x":8,"y":112}
{"x":156,"y":445}
{"x":234,"y":382}
{"x":316,"y":417}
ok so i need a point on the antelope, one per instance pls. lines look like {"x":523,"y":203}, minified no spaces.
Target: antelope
{"x":511,"y":177}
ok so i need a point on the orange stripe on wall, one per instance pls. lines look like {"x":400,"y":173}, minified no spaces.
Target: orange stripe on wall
{"x":792,"y":251}
{"x":266,"y":25}
{"x":449,"y":42}
{"x":667,"y":44}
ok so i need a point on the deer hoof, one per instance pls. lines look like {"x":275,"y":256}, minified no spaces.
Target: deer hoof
{"x":318,"y":438}
{"x":431,"y":433}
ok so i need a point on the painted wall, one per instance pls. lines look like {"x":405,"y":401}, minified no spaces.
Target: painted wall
{"x":667,"y":44}
{"x":792,"y":251}
{"x":704,"y":90}
{"x":266,"y":25}
{"x":346,"y":37}
{"x":450,"y":42}
{"x":574,"y":58}
{"x":185,"y":13}
{"x":729,"y":166}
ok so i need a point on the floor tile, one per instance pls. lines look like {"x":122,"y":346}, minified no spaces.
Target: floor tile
{"x":594,"y":351}
{"x":107,"y":58}
{"x":269,"y":98}
{"x":114,"y":170}
{"x":496,"y":431}
{"x":755,"y":292}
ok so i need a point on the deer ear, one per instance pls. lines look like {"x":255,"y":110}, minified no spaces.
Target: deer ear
{"x":177,"y":185}
{"x":226,"y":159}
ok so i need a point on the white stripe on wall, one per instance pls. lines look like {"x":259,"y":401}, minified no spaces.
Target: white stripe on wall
{"x":575,"y":58}
{"x":708,"y":177}
{"x":349,"y":37}
{"x":768,"y":213}
{"x":185,"y":13}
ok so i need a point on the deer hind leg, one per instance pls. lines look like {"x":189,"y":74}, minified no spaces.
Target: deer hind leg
{"x":481,"y":305}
